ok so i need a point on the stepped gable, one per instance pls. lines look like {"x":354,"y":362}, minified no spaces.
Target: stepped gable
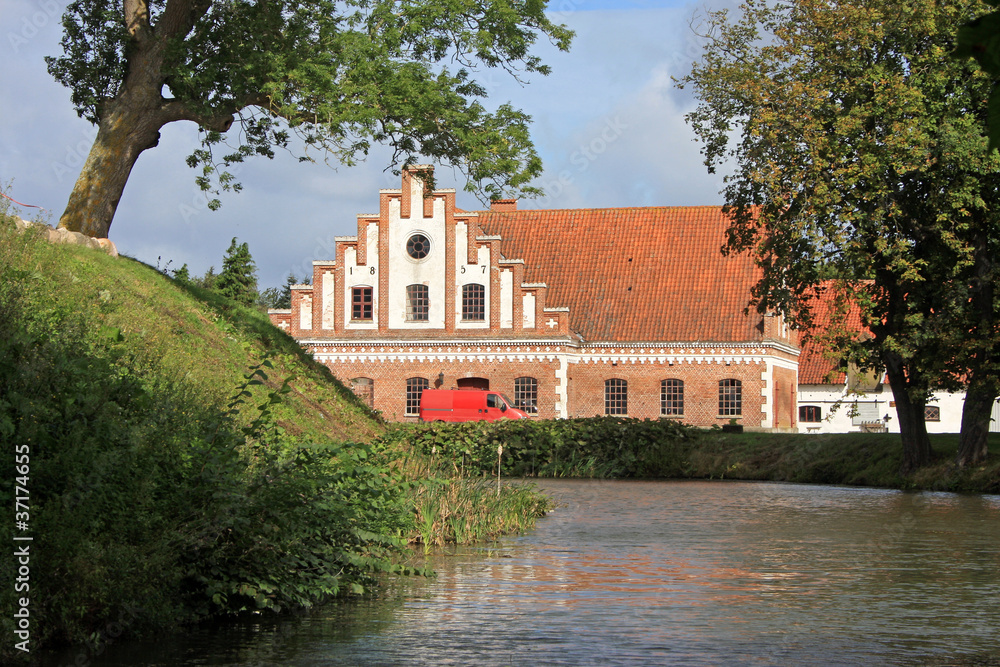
{"x":634,"y":274}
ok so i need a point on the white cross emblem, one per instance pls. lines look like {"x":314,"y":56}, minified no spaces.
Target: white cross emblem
{"x":552,"y":323}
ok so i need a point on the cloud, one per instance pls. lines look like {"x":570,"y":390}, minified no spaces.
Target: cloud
{"x":608,"y":123}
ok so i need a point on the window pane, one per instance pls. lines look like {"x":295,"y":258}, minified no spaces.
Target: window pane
{"x":417,"y":303}
{"x":932,"y":413}
{"x":615,"y":397}
{"x":413,"y":388}
{"x":361,"y":303}
{"x":672,"y":397}
{"x":526,"y":394}
{"x":730,"y":398}
{"x":417,"y":246}
{"x":810,"y":413}
{"x":473,"y":302}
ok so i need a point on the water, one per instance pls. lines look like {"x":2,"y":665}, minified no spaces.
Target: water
{"x":668,"y":573}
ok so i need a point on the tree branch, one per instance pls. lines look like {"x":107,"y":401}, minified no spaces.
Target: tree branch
{"x":180,"y":16}
{"x":219,"y":120}
{"x":136,"y":15}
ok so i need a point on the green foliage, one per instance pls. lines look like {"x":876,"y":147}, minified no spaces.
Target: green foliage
{"x":859,"y":155}
{"x":238,"y":280}
{"x":980,"y":39}
{"x":463,"y":510}
{"x":341,"y":76}
{"x":175,"y":473}
{"x":608,"y":447}
{"x":158,"y":493}
{"x":183,"y":274}
{"x":275,"y":298}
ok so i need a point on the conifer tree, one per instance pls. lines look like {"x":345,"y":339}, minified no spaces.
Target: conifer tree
{"x":238,"y":279}
{"x":183,"y":274}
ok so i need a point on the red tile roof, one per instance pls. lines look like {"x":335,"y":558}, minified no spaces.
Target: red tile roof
{"x":816,"y":364}
{"x":635,"y":274}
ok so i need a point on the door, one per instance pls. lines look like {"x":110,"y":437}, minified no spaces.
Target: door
{"x":474,"y":383}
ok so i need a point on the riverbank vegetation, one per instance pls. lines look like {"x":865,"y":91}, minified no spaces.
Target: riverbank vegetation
{"x":615,"y":447}
{"x":173,"y":457}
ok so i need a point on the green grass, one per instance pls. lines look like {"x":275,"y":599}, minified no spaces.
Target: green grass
{"x":186,"y":459}
{"x":189,"y":336}
{"x":855,"y":459}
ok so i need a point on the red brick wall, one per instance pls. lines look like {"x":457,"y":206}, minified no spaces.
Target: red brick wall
{"x":701,"y":389}
{"x":390,"y":380}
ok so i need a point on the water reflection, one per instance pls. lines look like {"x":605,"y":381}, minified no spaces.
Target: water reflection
{"x":670,"y":573}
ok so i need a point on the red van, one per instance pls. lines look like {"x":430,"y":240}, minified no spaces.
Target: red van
{"x":466,"y":405}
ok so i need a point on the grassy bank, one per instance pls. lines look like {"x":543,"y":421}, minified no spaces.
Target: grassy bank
{"x":173,"y":457}
{"x":854,"y":459}
{"x":611,"y":447}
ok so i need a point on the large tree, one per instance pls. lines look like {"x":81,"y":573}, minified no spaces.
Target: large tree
{"x":342,"y":75}
{"x":858,"y":152}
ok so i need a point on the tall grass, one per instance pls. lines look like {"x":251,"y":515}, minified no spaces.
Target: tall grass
{"x":187,"y":459}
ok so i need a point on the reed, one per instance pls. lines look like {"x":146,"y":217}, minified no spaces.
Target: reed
{"x":463,"y":510}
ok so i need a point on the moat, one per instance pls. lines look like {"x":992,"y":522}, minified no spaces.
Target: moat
{"x":667,"y":573}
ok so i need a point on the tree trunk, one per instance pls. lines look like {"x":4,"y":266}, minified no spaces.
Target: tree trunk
{"x":125,"y":131}
{"x":912,"y":420}
{"x":129,"y":124}
{"x":975,"y":425}
{"x":983,"y":383}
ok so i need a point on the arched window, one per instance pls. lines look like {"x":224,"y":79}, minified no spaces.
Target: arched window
{"x":526,"y":394}
{"x":671,"y":398}
{"x":417,"y":303}
{"x":473,"y":302}
{"x":616,"y":397}
{"x":361,"y":303}
{"x":414,"y":387}
{"x":730,"y":398}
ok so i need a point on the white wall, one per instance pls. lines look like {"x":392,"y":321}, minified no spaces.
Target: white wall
{"x":877,"y":404}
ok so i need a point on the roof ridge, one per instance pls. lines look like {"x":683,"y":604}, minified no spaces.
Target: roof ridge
{"x":605,"y":208}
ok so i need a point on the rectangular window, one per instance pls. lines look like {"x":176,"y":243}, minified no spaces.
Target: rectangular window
{"x":932,"y":413}
{"x":473,"y":303}
{"x":526,"y":395}
{"x":414,"y":387}
{"x":671,"y":398}
{"x":810,"y":413}
{"x":361,"y":303}
{"x":417,"y":303}
{"x":616,"y":397}
{"x":730,"y":398}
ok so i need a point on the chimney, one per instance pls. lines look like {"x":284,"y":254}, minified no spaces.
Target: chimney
{"x":503,"y":205}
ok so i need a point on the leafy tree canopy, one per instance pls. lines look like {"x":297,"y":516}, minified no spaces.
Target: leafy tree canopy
{"x":858,"y":153}
{"x":341,"y":75}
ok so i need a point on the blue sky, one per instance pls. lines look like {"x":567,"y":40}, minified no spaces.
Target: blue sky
{"x":608,"y":123}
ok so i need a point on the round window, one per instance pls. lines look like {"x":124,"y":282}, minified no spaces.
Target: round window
{"x":417,"y":246}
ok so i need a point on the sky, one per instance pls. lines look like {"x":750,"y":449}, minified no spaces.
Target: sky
{"x":608,"y":123}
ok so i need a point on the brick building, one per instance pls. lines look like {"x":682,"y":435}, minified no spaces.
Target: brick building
{"x":630,"y":311}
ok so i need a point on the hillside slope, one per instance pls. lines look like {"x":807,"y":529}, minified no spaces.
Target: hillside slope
{"x":189,"y":336}
{"x":171,"y":456}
